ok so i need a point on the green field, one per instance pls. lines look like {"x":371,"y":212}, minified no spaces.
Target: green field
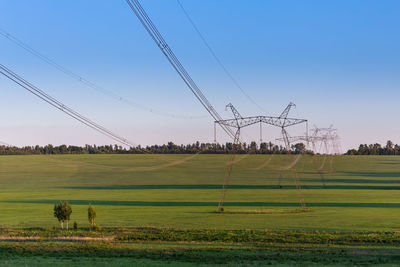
{"x":353,"y":193}
{"x":155,"y":212}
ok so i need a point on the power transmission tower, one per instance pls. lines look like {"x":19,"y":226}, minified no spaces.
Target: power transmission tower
{"x":239,"y":122}
{"x":328,"y":138}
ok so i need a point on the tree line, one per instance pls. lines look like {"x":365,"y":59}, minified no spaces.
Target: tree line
{"x":170,"y":148}
{"x":376,"y":149}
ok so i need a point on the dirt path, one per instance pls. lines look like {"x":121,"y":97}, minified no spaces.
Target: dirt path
{"x":59,"y":238}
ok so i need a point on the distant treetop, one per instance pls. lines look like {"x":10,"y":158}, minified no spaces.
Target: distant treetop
{"x":376,"y":149}
{"x":170,"y":148}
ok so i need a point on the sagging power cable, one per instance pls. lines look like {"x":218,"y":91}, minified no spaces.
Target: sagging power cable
{"x":218,"y":60}
{"x":151,"y":29}
{"x":62,"y":107}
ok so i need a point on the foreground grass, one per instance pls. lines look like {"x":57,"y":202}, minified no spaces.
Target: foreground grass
{"x":206,"y":235}
{"x":331,"y":257}
{"x":160,"y":247}
{"x":156,"y":247}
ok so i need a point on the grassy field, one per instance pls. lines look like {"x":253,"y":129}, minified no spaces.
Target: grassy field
{"x":154,"y":212}
{"x":346,"y":193}
{"x":160,"y":247}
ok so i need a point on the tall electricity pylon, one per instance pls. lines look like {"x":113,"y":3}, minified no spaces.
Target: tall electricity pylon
{"x":327,"y":137}
{"x":239,"y":122}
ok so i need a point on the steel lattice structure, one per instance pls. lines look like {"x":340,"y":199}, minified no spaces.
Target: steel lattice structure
{"x":239,"y":122}
{"x":282,"y":121}
{"x":327,"y":137}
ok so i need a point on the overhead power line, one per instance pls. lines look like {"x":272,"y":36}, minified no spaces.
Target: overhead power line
{"x":141,"y":14}
{"x":88,"y":83}
{"x":64,"y":108}
{"x":218,"y":60}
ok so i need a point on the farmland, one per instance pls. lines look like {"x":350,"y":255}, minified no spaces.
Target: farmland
{"x":357,"y":195}
{"x":362,"y":193}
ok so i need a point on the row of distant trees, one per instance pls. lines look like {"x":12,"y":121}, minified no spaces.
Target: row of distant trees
{"x":376,"y":149}
{"x":170,"y":148}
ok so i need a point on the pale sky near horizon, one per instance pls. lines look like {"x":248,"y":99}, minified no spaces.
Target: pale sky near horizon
{"x":339,"y":61}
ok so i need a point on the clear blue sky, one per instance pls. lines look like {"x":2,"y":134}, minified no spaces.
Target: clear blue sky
{"x":339,"y":61}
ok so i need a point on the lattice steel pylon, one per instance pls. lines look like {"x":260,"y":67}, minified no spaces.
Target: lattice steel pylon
{"x":239,"y":122}
{"x":329,"y":145}
{"x":328,"y":138}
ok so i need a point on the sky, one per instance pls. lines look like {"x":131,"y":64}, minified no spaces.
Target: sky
{"x":338,"y":61}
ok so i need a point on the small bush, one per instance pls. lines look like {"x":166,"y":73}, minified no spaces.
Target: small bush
{"x":96,"y":227}
{"x":75,"y":226}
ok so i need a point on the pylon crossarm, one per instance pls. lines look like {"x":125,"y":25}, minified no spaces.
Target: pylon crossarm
{"x":280,"y":122}
{"x":274,"y":121}
{"x":243,"y":122}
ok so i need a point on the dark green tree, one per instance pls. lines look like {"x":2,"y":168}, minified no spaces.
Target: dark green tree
{"x":92,"y":216}
{"x":299,"y":148}
{"x":62,"y":211}
{"x":58,"y":213}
